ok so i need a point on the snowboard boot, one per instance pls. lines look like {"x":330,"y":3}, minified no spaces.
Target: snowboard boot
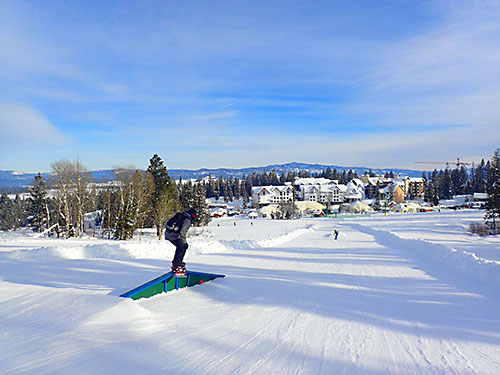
{"x":179,"y":271}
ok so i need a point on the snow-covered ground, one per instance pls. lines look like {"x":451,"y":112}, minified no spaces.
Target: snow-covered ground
{"x":396,"y":294}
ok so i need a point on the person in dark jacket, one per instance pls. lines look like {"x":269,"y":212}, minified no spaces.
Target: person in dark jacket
{"x":176,"y":232}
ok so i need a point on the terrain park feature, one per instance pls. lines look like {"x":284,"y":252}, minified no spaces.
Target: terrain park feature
{"x":167,"y":282}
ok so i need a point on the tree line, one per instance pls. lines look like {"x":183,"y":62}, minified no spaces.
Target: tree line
{"x":134,"y":200}
{"x":231,"y":188}
{"x":139,"y":199}
{"x":445,"y":184}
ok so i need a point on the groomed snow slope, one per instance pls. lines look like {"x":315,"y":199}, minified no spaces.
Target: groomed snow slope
{"x":367,"y":303}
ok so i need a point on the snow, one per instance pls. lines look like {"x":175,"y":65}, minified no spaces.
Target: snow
{"x":395,"y":294}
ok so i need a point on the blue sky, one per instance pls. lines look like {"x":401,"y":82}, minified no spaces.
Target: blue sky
{"x":248,"y":83}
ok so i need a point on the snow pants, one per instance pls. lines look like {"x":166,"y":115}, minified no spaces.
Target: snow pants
{"x":180,"y":250}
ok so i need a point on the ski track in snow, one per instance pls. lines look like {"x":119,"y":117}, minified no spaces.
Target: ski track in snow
{"x":299,"y":302}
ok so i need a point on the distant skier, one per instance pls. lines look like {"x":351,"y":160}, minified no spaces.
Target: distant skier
{"x":176,"y":232}
{"x":336,"y":232}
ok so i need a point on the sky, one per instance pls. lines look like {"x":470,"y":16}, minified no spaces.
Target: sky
{"x":211,"y":84}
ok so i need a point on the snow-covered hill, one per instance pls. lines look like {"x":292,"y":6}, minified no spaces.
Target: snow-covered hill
{"x":396,"y":294}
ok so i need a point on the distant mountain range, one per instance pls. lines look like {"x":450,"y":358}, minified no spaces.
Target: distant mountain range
{"x":17,"y":180}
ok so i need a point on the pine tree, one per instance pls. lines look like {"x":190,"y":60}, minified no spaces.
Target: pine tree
{"x":343,"y":178}
{"x":492,"y":216}
{"x":164,"y":199}
{"x":446,"y":191}
{"x":264,"y":179}
{"x":186,"y":195}
{"x":244,"y":194}
{"x":38,"y":204}
{"x":7,"y":217}
{"x":210,"y":187}
{"x":431,"y":194}
{"x":282,"y":178}
{"x":200,"y":205}
{"x":478,"y":184}
{"x":19,"y":212}
{"x":273,"y":178}
{"x":236,"y":188}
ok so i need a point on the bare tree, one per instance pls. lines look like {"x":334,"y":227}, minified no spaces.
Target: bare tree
{"x":143,"y":188}
{"x":127,"y":206}
{"x":107,"y":224}
{"x":82,"y":179}
{"x":64,"y":173}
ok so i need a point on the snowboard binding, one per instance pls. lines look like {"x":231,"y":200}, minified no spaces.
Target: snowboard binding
{"x":180,"y":271}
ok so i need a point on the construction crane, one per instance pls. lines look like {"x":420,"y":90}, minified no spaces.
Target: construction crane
{"x":458,"y":163}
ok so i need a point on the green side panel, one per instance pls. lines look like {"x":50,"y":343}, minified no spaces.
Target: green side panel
{"x":151,"y":291}
{"x":182,"y":282}
{"x":171,"y":284}
{"x":195,"y":279}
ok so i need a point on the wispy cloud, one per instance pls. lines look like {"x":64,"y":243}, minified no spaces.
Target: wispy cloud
{"x":212,"y":84}
{"x":213,"y":116}
{"x":23,"y":125}
{"x":447,"y":75}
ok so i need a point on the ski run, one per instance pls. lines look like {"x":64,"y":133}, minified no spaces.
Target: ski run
{"x":396,"y":294}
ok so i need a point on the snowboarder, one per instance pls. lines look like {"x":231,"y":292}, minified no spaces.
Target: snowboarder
{"x":175,"y":232}
{"x":336,"y":232}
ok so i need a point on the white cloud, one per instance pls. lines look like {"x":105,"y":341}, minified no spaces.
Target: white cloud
{"x":213,"y":116}
{"x":447,"y":75}
{"x":23,"y":125}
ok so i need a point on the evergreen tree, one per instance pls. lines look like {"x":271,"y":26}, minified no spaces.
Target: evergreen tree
{"x":444,"y":184}
{"x":282,"y":178}
{"x":431,"y":194}
{"x":493,"y":189}
{"x":199,"y":204}
{"x":236,"y":188}
{"x":264,"y":179}
{"x":343,"y":178}
{"x":478,"y":184}
{"x":273,"y":178}
{"x":19,"y":212}
{"x":350,"y":175}
{"x":329,"y":173}
{"x":186,"y":195}
{"x":244,"y":194}
{"x":210,"y":187}
{"x":164,"y":198}
{"x":7,"y":216}
{"x":290,"y":177}
{"x":248,"y":185}
{"x":228,"y":192}
{"x":38,"y":205}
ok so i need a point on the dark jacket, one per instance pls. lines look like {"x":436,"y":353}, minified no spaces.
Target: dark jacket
{"x":186,"y":224}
